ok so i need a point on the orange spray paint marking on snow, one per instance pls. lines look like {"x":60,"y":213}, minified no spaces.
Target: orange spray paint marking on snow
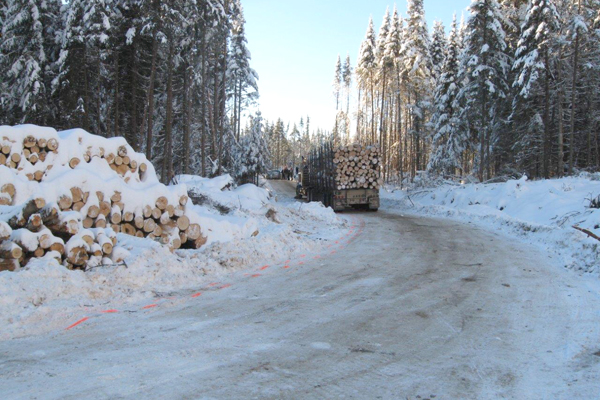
{"x":197,"y":294}
{"x":286,"y":267}
{"x":109,"y":311}
{"x":77,"y":323}
{"x":225,"y":286}
{"x":213,"y":284}
{"x":263,"y":268}
{"x":256,"y":275}
{"x":301,"y":263}
{"x":302,"y":255}
{"x":149,"y":306}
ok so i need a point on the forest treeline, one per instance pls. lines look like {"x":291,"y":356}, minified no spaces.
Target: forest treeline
{"x":172,"y":77}
{"x":513,"y":89}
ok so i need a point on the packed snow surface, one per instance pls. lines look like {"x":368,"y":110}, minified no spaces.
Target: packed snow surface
{"x":540,"y":212}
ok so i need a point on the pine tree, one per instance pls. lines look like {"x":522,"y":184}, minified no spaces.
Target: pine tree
{"x":438,"y":49}
{"x":417,"y":74}
{"x":347,"y":79}
{"x":484,"y":68}
{"x":450,"y":139}
{"x":26,"y":50}
{"x":242,"y":78}
{"x":533,"y":70}
{"x":337,"y":82}
{"x":365,"y":71}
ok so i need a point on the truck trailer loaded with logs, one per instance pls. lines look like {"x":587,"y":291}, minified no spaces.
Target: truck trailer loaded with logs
{"x":344,"y":177}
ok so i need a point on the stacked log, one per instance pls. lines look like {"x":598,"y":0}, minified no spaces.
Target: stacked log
{"x":79,"y":226}
{"x":35,"y":150}
{"x":357,"y":167}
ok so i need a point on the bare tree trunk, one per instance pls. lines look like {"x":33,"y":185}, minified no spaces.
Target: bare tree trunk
{"x":135,"y":139}
{"x":116,"y":121}
{"x":573,"y":93}
{"x":546,"y":157}
{"x":372,"y":110}
{"x":561,"y":147}
{"x":167,"y":170}
{"x":203,"y":109}
{"x":187,"y":103}
{"x":149,"y":108}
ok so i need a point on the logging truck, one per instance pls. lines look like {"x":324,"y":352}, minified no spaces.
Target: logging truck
{"x":343,"y":177}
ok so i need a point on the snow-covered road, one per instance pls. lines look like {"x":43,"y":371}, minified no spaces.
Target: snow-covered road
{"x":410,"y":307}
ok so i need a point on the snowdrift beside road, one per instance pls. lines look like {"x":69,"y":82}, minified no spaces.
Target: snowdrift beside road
{"x":540,"y":212}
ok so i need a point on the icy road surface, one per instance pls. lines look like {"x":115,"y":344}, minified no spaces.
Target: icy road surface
{"x":410,"y":307}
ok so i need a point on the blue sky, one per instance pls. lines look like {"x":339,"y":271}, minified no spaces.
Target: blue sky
{"x":295,"y":44}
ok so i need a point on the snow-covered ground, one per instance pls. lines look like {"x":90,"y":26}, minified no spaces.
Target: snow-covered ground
{"x":542,"y":213}
{"x":245,"y":227}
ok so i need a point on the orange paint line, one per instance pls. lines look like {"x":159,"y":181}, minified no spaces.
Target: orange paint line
{"x":337,"y":242}
{"x":77,"y":323}
{"x":109,"y":311}
{"x":256,"y":275}
{"x":197,"y":294}
{"x":263,"y":268}
{"x":303,"y":255}
{"x":288,"y":261}
{"x":213,"y":284}
{"x":225,"y":286}
{"x":149,"y":306}
{"x":317,"y":257}
{"x":286,"y":267}
{"x":301,"y":263}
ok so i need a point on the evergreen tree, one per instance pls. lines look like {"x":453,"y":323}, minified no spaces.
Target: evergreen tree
{"x":26,"y":52}
{"x":484,"y":68}
{"x":242,"y":78}
{"x":533,"y":70}
{"x":450,"y":139}
{"x":365,"y":71}
{"x":417,"y":74}
{"x":438,"y":49}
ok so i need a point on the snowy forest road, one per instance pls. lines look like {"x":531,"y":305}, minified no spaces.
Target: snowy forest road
{"x":411,"y":307}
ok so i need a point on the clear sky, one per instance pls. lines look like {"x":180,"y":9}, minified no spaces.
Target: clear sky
{"x":295,"y":44}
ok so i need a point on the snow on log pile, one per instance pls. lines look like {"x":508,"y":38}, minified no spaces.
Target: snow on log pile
{"x":65,"y":195}
{"x":357,"y":167}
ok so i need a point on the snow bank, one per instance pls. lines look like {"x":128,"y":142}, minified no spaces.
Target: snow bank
{"x":243,"y":227}
{"x":540,"y":212}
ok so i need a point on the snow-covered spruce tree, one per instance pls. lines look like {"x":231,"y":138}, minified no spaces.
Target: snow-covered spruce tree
{"x":254,"y":151}
{"x":417,"y":75}
{"x":243,"y":87}
{"x":484,"y":68}
{"x":366,"y":73}
{"x":393,"y":51}
{"x":27,"y":48}
{"x":337,"y":82}
{"x":347,"y":80}
{"x":384,"y":64}
{"x":438,"y":50}
{"x":534,"y":72}
{"x":337,"y":87}
{"x":450,"y":136}
{"x":83,"y":71}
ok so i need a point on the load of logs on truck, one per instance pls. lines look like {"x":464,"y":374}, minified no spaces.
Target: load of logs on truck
{"x":343,"y":177}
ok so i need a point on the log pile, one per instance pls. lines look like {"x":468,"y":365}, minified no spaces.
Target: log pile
{"x":357,"y":167}
{"x":35,"y":151}
{"x":78,"y":226}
